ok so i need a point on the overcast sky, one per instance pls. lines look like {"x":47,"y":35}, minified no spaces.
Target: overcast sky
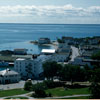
{"x":50,"y":11}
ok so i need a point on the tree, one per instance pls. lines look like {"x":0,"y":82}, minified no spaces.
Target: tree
{"x":39,"y":90}
{"x":95,"y":79}
{"x":95,"y":86}
{"x":60,"y":40}
{"x":96,"y":56}
{"x":51,"y":69}
{"x":28,"y":86}
{"x":72,"y":73}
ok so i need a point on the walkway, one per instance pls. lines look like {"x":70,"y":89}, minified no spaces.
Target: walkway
{"x":61,"y":97}
{"x":75,"y":53}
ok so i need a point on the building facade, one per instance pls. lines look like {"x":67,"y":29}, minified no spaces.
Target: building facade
{"x":28,"y":68}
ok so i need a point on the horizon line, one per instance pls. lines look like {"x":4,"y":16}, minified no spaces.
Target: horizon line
{"x":53,"y":23}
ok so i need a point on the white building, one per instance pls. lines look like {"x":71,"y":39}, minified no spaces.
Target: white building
{"x":9,"y":76}
{"x":44,"y":41}
{"x":48,"y":51}
{"x":29,"y":68}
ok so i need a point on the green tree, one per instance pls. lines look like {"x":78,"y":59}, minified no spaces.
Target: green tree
{"x":95,"y":79}
{"x":96,"y":56}
{"x":39,"y":90}
{"x":72,"y":73}
{"x":51,"y":69}
{"x":95,"y":86}
{"x":28,"y":86}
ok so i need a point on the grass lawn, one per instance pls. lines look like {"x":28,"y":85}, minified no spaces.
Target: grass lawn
{"x":62,"y":92}
{"x":16,"y":98}
{"x":82,"y":97}
{"x":12,"y":92}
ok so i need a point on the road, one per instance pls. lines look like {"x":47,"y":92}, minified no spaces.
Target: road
{"x":16,"y":85}
{"x":75,"y":53}
{"x":26,"y":95}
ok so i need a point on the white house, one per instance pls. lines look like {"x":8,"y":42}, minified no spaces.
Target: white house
{"x":44,"y":41}
{"x":9,"y":76}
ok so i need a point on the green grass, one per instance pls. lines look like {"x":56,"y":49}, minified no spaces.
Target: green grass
{"x":82,"y":97}
{"x":12,"y":92}
{"x":62,"y":92}
{"x":16,"y":98}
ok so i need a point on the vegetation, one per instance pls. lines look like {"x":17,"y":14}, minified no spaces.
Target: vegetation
{"x":72,"y":73}
{"x":12,"y":92}
{"x":39,"y":93}
{"x":28,"y":86}
{"x":39,"y":90}
{"x":95,"y":79}
{"x":60,"y":91}
{"x":60,"y":40}
{"x":51,"y":69}
{"x":96,"y":56}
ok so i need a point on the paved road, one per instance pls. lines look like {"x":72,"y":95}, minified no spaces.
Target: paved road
{"x":15,"y":85}
{"x":75,"y":53}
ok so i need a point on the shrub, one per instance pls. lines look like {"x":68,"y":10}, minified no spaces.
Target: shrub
{"x":39,"y":86}
{"x":39,"y":93}
{"x":28,"y":86}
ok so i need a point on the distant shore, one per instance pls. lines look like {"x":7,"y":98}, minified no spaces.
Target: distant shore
{"x":54,"y":43}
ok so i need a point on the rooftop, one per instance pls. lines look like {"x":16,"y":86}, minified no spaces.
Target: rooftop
{"x":48,"y":51}
{"x":20,"y":59}
{"x":8,"y":72}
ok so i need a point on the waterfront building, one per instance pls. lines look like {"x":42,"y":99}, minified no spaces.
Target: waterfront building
{"x":44,"y":41}
{"x":48,"y":51}
{"x":8,"y":76}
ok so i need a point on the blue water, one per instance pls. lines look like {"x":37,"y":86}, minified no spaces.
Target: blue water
{"x":18,"y":35}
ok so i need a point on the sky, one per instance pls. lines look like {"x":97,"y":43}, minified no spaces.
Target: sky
{"x":50,"y":11}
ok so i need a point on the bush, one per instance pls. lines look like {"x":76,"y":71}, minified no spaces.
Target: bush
{"x":39,"y":93}
{"x":51,"y":84}
{"x":28,"y":86}
{"x":39,"y":86}
{"x":75,"y":86}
